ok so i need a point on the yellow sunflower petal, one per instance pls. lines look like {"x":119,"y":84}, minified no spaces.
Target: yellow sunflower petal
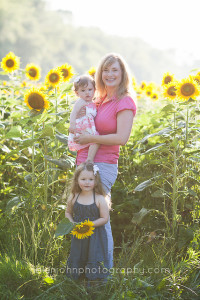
{"x":143,"y":85}
{"x":92,"y":71}
{"x":36,"y":99}
{"x":154,"y":96}
{"x":54,"y":77}
{"x":10,"y":62}
{"x":169,"y":90}
{"x":67,"y":72}
{"x":167,"y":78}
{"x":83,"y":230}
{"x":187,"y":88}
{"x":33,"y":72}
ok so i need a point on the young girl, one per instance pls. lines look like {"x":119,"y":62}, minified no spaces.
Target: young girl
{"x":84,"y":87}
{"x":88,"y":256}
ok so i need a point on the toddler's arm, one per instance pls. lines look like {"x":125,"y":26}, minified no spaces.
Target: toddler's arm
{"x":104,"y":212}
{"x":92,"y":152}
{"x":77,"y":106}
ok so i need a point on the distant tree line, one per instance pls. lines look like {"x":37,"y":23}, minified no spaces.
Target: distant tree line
{"x":49,"y":39}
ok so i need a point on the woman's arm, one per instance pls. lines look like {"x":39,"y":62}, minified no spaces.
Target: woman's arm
{"x":124,"y":126}
{"x":104,"y":212}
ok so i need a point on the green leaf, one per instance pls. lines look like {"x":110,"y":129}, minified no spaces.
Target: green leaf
{"x":4,"y":148}
{"x":35,"y":113}
{"x":47,"y":131}
{"x":14,"y":202}
{"x":157,"y":194}
{"x":143,"y":185}
{"x":154,"y":148}
{"x":168,"y":108}
{"x":164,"y":131}
{"x":137,"y":217}
{"x":28,"y":142}
{"x":14,"y":132}
{"x":64,"y":227}
{"x":49,"y":280}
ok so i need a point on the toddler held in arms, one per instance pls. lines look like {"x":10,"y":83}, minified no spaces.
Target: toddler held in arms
{"x":84,"y":87}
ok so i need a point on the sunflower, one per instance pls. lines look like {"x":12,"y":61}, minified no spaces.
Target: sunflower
{"x":92,"y":71}
{"x":10,"y":62}
{"x":187,"y":88}
{"x":33,"y":72}
{"x":134,"y":81}
{"x":83,"y":230}
{"x":36,"y":99}
{"x":67,"y":72}
{"x":169,"y":90}
{"x":196,"y":78}
{"x":143,"y":85}
{"x":24,"y":83}
{"x":54,"y":77}
{"x":148,"y":92}
{"x":167,"y":77}
{"x":154,"y":96}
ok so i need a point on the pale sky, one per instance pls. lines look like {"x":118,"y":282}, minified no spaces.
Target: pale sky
{"x":162,"y":24}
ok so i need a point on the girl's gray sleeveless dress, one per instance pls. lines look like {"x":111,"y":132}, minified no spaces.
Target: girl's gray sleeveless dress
{"x":88,"y":256}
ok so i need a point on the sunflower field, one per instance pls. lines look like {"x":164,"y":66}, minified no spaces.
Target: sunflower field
{"x":156,"y":209}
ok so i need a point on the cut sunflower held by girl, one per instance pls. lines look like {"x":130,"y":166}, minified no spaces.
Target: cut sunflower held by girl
{"x":87,"y":204}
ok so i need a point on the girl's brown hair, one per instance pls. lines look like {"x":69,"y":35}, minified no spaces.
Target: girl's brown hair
{"x":124,"y":86}
{"x":75,"y":188}
{"x":82,"y":81}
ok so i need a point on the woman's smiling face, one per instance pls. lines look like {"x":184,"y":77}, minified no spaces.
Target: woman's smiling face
{"x":112,"y":75}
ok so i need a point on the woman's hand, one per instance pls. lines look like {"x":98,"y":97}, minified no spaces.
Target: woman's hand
{"x":83,"y":138}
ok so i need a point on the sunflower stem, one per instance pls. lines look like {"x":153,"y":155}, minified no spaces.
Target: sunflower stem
{"x":185,"y":158}
{"x":174,"y":186}
{"x":45,"y":171}
{"x":33,"y":167}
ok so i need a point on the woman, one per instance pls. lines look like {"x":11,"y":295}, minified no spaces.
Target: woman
{"x":115,"y":112}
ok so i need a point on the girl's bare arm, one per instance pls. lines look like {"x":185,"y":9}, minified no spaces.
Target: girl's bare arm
{"x":69,"y":209}
{"x":104,"y":212}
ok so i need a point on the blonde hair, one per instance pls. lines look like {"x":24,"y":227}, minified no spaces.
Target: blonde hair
{"x":82,"y":81}
{"x":125,"y":84}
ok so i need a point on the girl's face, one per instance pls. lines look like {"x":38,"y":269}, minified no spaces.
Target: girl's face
{"x":112,"y":75}
{"x":86,"y":92}
{"x":86,"y":180}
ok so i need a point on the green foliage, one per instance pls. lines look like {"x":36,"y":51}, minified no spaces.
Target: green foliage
{"x":155,"y":217}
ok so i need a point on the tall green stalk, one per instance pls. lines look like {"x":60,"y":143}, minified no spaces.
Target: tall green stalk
{"x":33,"y":167}
{"x":174,"y":185}
{"x":45,"y":171}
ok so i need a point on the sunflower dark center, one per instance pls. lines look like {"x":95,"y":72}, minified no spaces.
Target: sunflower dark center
{"x":32,"y":72}
{"x":10,"y":63}
{"x":83,"y":229}
{"x":187,"y":89}
{"x":154,"y":97}
{"x":167,"y":79}
{"x":142,"y":86}
{"x":172,"y":91}
{"x":54,"y":77}
{"x":148,"y":93}
{"x":65,"y":73}
{"x":36,"y":101}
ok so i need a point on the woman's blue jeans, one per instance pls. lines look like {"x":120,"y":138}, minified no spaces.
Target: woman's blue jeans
{"x":108,"y":174}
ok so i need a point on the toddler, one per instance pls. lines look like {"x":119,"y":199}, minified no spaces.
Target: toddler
{"x":84,"y":87}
